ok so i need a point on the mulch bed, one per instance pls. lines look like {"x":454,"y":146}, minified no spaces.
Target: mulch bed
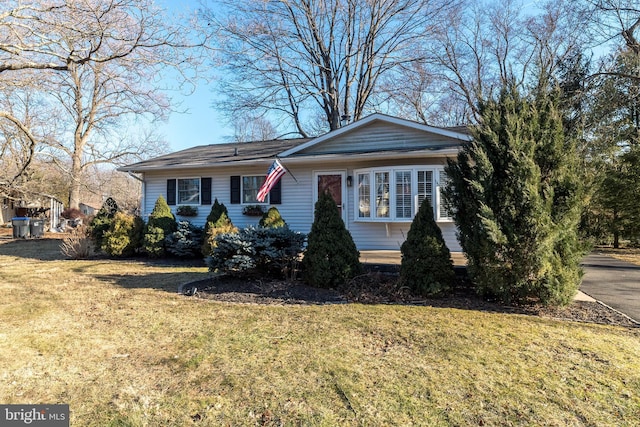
{"x":381,"y":288}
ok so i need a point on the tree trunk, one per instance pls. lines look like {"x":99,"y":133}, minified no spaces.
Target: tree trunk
{"x":616,"y":230}
{"x":75,"y":179}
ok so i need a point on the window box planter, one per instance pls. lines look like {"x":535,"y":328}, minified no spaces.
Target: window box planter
{"x":187,"y":210}
{"x":253,"y":210}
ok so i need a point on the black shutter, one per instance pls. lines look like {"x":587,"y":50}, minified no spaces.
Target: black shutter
{"x":275,"y":195}
{"x":235,"y":190}
{"x":171,"y":192}
{"x":205,"y":191}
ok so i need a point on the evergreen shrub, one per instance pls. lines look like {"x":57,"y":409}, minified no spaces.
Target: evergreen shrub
{"x":102,"y":221}
{"x":516,"y":194}
{"x":331,"y":257}
{"x":124,"y":236}
{"x":426,"y":268}
{"x":218,"y":222}
{"x":161,"y":224}
{"x":186,"y":241}
{"x":260,"y":251}
{"x":272,"y":219}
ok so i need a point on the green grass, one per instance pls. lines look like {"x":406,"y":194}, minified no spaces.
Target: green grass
{"x":114,"y":341}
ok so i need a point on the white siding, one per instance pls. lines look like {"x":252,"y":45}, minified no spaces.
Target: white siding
{"x":297,"y":200}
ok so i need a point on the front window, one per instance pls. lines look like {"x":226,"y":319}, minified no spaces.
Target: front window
{"x":382,"y":194}
{"x":189,"y":191}
{"x":444,"y":209}
{"x":364,"y":195}
{"x":395,"y":194}
{"x":403,"y":194}
{"x":250,"y":188}
{"x":425,"y":187}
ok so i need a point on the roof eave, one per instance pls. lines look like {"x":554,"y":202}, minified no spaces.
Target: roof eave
{"x":141,"y":169}
{"x":445,"y":152}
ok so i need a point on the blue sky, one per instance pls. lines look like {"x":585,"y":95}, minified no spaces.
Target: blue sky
{"x":201,"y":124}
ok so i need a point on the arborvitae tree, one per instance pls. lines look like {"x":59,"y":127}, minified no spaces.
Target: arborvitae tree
{"x":222,"y":225}
{"x":272,"y":219}
{"x":161,"y":224}
{"x":516,"y":194}
{"x":331,"y":257}
{"x":217,"y":219}
{"x":102,"y":221}
{"x":124,"y":237}
{"x":426,"y":268}
{"x":217,"y":209}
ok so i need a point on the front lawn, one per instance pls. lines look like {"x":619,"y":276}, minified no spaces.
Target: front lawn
{"x":116,"y":342}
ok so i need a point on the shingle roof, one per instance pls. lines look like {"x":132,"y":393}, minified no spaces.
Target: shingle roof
{"x":216,"y":154}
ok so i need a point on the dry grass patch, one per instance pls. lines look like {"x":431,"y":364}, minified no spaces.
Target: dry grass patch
{"x":115,"y":341}
{"x":631,"y":255}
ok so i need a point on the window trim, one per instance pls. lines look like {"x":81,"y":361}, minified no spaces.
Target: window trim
{"x":439,"y":199}
{"x":267,"y":200}
{"x":436,"y":198}
{"x":193,"y":202}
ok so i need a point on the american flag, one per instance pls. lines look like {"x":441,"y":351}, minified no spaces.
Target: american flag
{"x":274,"y":174}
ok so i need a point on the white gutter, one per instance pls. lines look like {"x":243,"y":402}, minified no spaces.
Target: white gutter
{"x":346,"y":157}
{"x":132,"y":175}
{"x":143,"y":193}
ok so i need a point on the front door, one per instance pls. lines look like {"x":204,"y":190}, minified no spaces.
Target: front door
{"x":333,"y":182}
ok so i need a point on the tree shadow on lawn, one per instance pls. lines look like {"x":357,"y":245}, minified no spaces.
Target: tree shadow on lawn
{"x":48,"y":249}
{"x":43,"y":249}
{"x":169,"y":282}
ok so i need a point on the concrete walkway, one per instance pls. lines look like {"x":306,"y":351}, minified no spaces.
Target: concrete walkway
{"x":394,"y":257}
{"x":615,"y":283}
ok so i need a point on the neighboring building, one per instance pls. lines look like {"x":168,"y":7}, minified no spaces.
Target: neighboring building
{"x":379,"y":170}
{"x":33,"y":205}
{"x":89,"y":208}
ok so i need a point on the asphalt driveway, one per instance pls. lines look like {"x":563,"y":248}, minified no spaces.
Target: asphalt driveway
{"x":614,"y":282}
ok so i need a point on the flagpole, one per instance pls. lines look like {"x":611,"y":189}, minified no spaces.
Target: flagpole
{"x":286,"y":168}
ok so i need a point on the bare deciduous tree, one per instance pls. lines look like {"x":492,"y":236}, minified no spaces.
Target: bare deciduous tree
{"x":100,"y":63}
{"x":480,"y":47}
{"x":26,"y":123}
{"x":294,"y":57}
{"x":253,"y":128}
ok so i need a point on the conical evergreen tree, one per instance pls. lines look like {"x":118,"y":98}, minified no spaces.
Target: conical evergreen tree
{"x":516,"y":194}
{"x":426,"y":268}
{"x":217,"y":209}
{"x":102,"y":222}
{"x":161,"y":224}
{"x":331,"y":257}
{"x":272,"y":219}
{"x":124,"y":237}
{"x":218,"y":222}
